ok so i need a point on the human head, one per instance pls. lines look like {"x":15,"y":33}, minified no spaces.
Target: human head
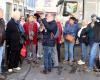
{"x":30,"y":18}
{"x":16,"y":15}
{"x":1,"y":13}
{"x":50,"y":16}
{"x":57,"y":18}
{"x":84,"y":23}
{"x":72,"y":20}
{"x":93,"y":17}
{"x":22,"y":18}
{"x":34,"y":18}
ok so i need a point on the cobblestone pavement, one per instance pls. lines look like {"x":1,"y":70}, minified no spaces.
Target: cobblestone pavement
{"x":65,"y":72}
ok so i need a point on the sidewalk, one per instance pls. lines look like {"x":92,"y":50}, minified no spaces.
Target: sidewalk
{"x":32,"y":72}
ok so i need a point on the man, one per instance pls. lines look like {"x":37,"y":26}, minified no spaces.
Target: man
{"x":49,"y":34}
{"x":13,"y":40}
{"x":2,"y":35}
{"x":94,"y":40}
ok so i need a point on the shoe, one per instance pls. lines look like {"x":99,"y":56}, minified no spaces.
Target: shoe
{"x":66,"y":61}
{"x":44,"y":72}
{"x":80,"y":62}
{"x":18,"y":68}
{"x":71,"y":62}
{"x":49,"y":70}
{"x":2,"y":77}
{"x":10,"y":70}
{"x":89,"y":70}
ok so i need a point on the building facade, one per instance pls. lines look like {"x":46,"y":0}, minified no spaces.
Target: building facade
{"x":28,"y":6}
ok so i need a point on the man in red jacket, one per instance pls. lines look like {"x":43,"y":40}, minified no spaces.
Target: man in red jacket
{"x":31,"y":29}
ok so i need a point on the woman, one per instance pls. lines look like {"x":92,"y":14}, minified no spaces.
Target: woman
{"x":22,"y":20}
{"x":83,"y":38}
{"x":59,"y":38}
{"x":13,"y":41}
{"x":31,"y":29}
{"x":70,"y":32}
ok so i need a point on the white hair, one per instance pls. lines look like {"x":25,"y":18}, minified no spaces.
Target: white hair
{"x":1,"y":10}
{"x":15,"y":13}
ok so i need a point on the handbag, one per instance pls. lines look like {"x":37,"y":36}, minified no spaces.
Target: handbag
{"x":70,"y":38}
{"x":23,"y":51}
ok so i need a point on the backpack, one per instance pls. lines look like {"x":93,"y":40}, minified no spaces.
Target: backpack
{"x":2,"y":31}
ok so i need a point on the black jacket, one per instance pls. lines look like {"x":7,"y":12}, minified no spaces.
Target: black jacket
{"x":13,"y":35}
{"x":2,"y":31}
{"x":84,"y":37}
{"x":51,"y":27}
{"x":96,"y":30}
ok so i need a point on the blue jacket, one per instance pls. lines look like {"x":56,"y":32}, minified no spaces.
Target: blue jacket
{"x":72,"y":30}
{"x":50,"y":27}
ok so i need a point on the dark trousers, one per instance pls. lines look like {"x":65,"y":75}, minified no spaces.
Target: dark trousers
{"x":59,"y":52}
{"x":13,"y":59}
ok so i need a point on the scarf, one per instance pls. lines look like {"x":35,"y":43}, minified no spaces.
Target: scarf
{"x":79,"y":33}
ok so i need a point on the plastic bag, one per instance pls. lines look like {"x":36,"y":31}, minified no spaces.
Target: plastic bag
{"x":23,"y":51}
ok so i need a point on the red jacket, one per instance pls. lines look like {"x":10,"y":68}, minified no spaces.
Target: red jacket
{"x":35,"y":29}
{"x":58,"y":40}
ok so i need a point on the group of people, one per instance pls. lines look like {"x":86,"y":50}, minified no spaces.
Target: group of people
{"x":42,"y":37}
{"x":89,"y":38}
{"x":39,"y":34}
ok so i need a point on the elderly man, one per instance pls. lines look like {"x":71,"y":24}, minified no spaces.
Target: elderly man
{"x":2,"y":32}
{"x":93,"y":31}
{"x":49,"y":34}
{"x":13,"y":41}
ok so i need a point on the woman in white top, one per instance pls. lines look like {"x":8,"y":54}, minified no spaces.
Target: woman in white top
{"x":83,"y":38}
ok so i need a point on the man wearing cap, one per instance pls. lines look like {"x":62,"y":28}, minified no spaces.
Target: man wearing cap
{"x":93,"y":30}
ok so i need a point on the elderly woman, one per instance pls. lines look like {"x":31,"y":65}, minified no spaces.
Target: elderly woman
{"x":83,"y":38}
{"x":13,"y":41}
{"x":59,"y":38}
{"x":31,"y":29}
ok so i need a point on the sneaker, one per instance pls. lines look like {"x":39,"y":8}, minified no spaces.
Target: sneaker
{"x":65,"y":61}
{"x":70,"y":62}
{"x":10,"y":70}
{"x":18,"y":68}
{"x":80,"y":62}
{"x":89,"y":70}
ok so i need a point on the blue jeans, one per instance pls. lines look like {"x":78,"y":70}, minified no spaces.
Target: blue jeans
{"x":1,"y":53}
{"x":93,"y":54}
{"x":83,"y":52}
{"x":47,"y":57}
{"x":69,"y":50}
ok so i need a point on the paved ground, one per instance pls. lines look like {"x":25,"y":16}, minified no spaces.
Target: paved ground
{"x":67,"y":72}
{"x":32,"y":72}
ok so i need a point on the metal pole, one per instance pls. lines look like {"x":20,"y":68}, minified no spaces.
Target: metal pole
{"x":83,"y":8}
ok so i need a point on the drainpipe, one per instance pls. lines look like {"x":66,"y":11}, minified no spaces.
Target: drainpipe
{"x":83,"y":8}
